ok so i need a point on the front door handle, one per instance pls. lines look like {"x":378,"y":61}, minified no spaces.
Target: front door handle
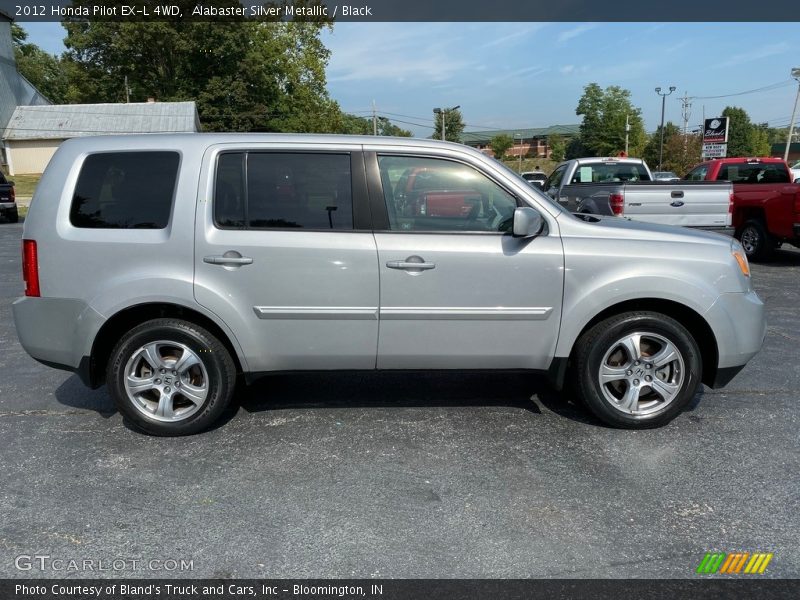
{"x":413,"y":264}
{"x":229,"y":259}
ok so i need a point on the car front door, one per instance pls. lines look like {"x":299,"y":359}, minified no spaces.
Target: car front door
{"x":285,"y":257}
{"x":458,"y":291}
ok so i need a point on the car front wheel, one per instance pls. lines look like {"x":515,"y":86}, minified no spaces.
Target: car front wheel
{"x":171,"y":377}
{"x":637,"y":370}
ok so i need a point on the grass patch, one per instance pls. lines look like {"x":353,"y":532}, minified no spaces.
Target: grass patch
{"x":25,"y":185}
{"x":22,"y":211}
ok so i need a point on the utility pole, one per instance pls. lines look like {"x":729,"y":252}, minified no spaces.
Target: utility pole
{"x":519,"y":169}
{"x":663,"y":105}
{"x":686,"y":112}
{"x":374,"y":119}
{"x":627,"y":132}
{"x":796,"y":75}
{"x":127,"y":91}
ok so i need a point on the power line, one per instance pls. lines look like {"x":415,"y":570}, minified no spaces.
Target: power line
{"x":772,"y":86}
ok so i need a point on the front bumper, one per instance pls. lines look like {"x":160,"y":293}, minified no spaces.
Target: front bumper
{"x":739,"y":324}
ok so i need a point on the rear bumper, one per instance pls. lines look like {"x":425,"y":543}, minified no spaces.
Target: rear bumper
{"x":739,"y":324}
{"x":57,"y":332}
{"x":8,"y":207}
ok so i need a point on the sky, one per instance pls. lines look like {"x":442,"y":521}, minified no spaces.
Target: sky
{"x":515,"y":75}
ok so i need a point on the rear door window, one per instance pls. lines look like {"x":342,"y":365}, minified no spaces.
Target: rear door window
{"x":753,"y":172}
{"x":697,"y":174}
{"x":602,"y":172}
{"x":125,"y":190}
{"x":273,"y":190}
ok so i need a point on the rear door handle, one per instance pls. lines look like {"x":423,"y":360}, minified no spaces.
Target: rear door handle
{"x":228,"y":260}
{"x":677,"y":194}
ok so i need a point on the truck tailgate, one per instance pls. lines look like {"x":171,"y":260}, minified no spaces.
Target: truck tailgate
{"x":690,"y":204}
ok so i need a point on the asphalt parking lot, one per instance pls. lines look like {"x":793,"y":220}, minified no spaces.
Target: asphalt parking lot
{"x":387,"y":475}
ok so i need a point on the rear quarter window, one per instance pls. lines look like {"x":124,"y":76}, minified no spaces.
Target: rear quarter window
{"x":125,"y":190}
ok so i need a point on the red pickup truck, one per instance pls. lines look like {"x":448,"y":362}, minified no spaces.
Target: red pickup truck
{"x":766,"y":204}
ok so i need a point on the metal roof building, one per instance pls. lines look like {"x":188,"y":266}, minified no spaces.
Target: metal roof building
{"x":14,"y":88}
{"x":528,"y":141}
{"x":34,"y":132}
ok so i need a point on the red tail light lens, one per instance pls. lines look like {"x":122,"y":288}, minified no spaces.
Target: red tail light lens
{"x":730,"y":203}
{"x":13,"y":194}
{"x":30,"y":268}
{"x":617,"y":202}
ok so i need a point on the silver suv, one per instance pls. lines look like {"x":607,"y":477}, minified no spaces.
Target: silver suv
{"x":166,"y":265}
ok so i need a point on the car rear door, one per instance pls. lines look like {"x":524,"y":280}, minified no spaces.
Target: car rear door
{"x":285,"y":257}
{"x":458,"y":291}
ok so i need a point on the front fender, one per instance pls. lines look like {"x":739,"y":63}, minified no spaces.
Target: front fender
{"x":585,"y":298}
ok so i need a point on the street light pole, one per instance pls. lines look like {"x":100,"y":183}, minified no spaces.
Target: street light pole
{"x":443,"y":112}
{"x":663,"y":103}
{"x":796,"y":75}
{"x":519,"y":170}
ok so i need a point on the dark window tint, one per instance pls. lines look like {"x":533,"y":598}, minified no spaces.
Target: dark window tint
{"x":756,"y":172}
{"x":311,"y":191}
{"x":229,"y":191}
{"x":125,"y":190}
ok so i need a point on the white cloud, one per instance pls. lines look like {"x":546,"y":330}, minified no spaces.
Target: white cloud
{"x":569,"y":34}
{"x":409,"y":52}
{"x":756,"y":54}
{"x":514,"y":37}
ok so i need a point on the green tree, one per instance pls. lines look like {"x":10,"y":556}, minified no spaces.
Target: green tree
{"x":681,"y":153}
{"x":759,"y":141}
{"x":454,"y":125}
{"x":740,"y":131}
{"x":653,"y":145}
{"x":558,"y":147}
{"x":244,"y":76}
{"x":353,"y":125}
{"x":604,"y":112}
{"x":46,"y":72}
{"x":500,"y":144}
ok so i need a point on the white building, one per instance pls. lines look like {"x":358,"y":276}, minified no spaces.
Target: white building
{"x":34,"y":133}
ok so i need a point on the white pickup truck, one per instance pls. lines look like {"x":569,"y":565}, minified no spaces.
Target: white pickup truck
{"x":624,"y":187}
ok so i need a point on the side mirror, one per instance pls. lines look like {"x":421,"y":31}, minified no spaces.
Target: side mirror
{"x":537,"y":184}
{"x":527,"y":222}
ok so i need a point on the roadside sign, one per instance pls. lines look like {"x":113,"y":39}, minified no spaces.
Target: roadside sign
{"x":715,"y":150}
{"x":715,"y":130}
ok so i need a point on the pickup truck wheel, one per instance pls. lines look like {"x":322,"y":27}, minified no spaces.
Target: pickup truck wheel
{"x":13,"y":216}
{"x":637,"y":370}
{"x":171,"y":377}
{"x":756,"y":241}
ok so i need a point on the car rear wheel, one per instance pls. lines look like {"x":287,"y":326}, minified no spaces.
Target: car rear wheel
{"x":171,"y":377}
{"x":637,"y":370}
{"x":756,"y":241}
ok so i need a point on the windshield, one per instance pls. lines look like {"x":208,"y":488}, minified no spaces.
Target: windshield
{"x":539,"y":194}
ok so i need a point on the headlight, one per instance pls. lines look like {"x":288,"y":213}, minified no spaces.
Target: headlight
{"x":741,"y":257}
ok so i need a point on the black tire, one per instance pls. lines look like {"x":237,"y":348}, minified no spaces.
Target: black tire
{"x":13,"y":216}
{"x":213,"y":370}
{"x":758,"y":244}
{"x":683,"y":374}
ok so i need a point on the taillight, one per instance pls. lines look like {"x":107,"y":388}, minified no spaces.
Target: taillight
{"x":13,"y":195}
{"x":30,"y":268}
{"x":617,"y":202}
{"x":730,"y":203}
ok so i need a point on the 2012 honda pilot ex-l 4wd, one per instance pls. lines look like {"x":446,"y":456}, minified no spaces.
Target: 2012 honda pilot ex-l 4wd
{"x":165,"y":266}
